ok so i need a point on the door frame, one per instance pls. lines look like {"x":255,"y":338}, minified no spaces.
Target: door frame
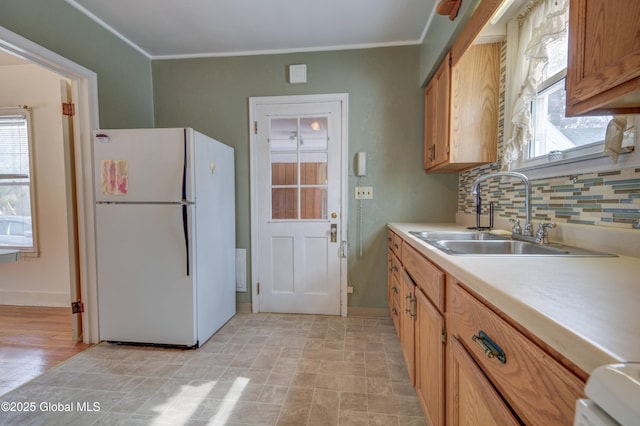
{"x":254,"y":102}
{"x":84,"y":95}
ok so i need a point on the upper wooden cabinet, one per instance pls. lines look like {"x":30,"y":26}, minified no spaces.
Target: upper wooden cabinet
{"x":436,"y":117}
{"x":461,"y":111}
{"x":603,"y":74}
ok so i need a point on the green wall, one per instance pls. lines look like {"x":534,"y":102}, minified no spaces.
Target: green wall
{"x":385,"y":120}
{"x":440,"y":36}
{"x":124,"y":74}
{"x":211,"y":95}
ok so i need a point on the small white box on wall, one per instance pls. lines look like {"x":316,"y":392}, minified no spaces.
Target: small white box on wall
{"x":297,"y":74}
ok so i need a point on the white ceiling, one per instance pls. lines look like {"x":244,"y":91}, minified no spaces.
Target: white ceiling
{"x":195,"y":28}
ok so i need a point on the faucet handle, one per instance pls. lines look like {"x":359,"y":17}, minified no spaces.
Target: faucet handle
{"x":542,"y":237}
{"x":517,"y":229}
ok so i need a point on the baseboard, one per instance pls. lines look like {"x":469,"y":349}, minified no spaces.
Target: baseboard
{"x":354,"y":311}
{"x":35,"y":298}
{"x":243,"y":308}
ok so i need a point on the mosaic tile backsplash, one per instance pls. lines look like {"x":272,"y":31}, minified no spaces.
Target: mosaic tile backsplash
{"x":610,"y":198}
{"x":600,"y":198}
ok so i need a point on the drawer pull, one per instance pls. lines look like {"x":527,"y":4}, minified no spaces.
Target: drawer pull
{"x":394,"y":289}
{"x":490,"y":348}
{"x":396,"y":246}
{"x":395,"y":311}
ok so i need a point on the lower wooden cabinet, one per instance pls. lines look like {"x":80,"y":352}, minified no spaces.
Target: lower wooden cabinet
{"x":446,"y":333}
{"x":537,"y":388}
{"x":408,"y":324}
{"x":429,"y":359}
{"x":471,"y":399}
{"x":394,"y":291}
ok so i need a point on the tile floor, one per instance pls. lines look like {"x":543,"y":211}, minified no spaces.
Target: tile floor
{"x":264,"y":369}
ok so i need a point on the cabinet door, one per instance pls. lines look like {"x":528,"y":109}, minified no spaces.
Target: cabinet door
{"x":407,"y":336}
{"x":396,"y":309}
{"x":475,"y":91}
{"x":429,"y":359}
{"x":471,"y":400}
{"x":603,"y":73}
{"x":390,"y":281}
{"x":436,"y":116}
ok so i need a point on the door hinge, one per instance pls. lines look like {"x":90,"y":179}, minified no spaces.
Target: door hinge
{"x":68,"y":109}
{"x":258,"y":289}
{"x":443,"y":336}
{"x":255,"y":127}
{"x":77,"y":307}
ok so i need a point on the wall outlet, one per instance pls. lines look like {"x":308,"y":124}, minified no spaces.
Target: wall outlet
{"x":349,"y":289}
{"x":364,"y":192}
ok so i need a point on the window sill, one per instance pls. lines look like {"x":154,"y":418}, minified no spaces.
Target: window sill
{"x":574,"y":166}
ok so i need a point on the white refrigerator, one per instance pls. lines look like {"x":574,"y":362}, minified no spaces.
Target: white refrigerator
{"x":165,"y":236}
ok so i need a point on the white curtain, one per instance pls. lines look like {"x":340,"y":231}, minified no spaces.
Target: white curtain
{"x":542,"y":21}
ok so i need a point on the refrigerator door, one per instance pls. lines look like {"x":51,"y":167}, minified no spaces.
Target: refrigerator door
{"x":144,"y":292}
{"x":142,"y":165}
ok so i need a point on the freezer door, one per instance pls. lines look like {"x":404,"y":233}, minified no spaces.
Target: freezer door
{"x":144,"y":292}
{"x":142,"y":165}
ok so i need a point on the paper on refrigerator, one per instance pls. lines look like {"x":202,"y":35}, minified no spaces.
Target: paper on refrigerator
{"x":115,"y":180}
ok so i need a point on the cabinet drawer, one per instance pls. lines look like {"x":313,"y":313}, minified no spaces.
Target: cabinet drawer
{"x":426,"y":276}
{"x":395,"y":242}
{"x":538,"y":388}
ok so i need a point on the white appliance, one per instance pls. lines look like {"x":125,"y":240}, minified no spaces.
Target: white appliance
{"x":614,"y":397}
{"x":165,"y":221}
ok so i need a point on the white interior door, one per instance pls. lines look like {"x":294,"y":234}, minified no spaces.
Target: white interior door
{"x":298,"y":207}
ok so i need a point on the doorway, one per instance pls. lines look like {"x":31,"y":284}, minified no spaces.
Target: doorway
{"x":299,"y":204}
{"x":83,"y":93}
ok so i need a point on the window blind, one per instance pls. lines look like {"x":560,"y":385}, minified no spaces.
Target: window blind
{"x":14,"y":145}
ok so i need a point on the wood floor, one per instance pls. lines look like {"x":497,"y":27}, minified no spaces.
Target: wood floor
{"x":33,"y":339}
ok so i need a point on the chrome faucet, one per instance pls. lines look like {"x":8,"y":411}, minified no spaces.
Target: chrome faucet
{"x":475,"y":190}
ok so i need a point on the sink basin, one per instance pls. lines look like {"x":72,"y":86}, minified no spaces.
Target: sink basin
{"x":496,"y":247}
{"x":510,"y":248}
{"x":454,"y":235}
{"x":474,"y":243}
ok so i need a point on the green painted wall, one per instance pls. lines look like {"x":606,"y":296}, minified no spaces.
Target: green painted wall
{"x":211,"y":95}
{"x":385,"y":120}
{"x":440,"y":36}
{"x":124,"y":74}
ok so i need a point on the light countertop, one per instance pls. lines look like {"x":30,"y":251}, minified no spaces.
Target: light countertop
{"x":586,"y":308}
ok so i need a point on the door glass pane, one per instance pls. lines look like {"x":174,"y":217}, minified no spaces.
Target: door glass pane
{"x":284,"y":134}
{"x":313,"y":168}
{"x":284,"y":203}
{"x":313,"y":203}
{"x":314,"y":133}
{"x":284,"y":169}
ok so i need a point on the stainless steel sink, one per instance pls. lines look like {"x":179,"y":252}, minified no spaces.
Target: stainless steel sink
{"x":473,"y":243}
{"x":496,"y":247}
{"x":454,"y":235}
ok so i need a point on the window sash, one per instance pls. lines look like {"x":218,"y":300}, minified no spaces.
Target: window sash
{"x":17,"y":201}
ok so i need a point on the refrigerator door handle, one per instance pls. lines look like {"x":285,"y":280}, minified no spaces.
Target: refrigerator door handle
{"x":185,"y":224}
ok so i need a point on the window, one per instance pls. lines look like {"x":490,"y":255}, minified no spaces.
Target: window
{"x":299,"y":158}
{"x":542,"y":137}
{"x":16,"y":183}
